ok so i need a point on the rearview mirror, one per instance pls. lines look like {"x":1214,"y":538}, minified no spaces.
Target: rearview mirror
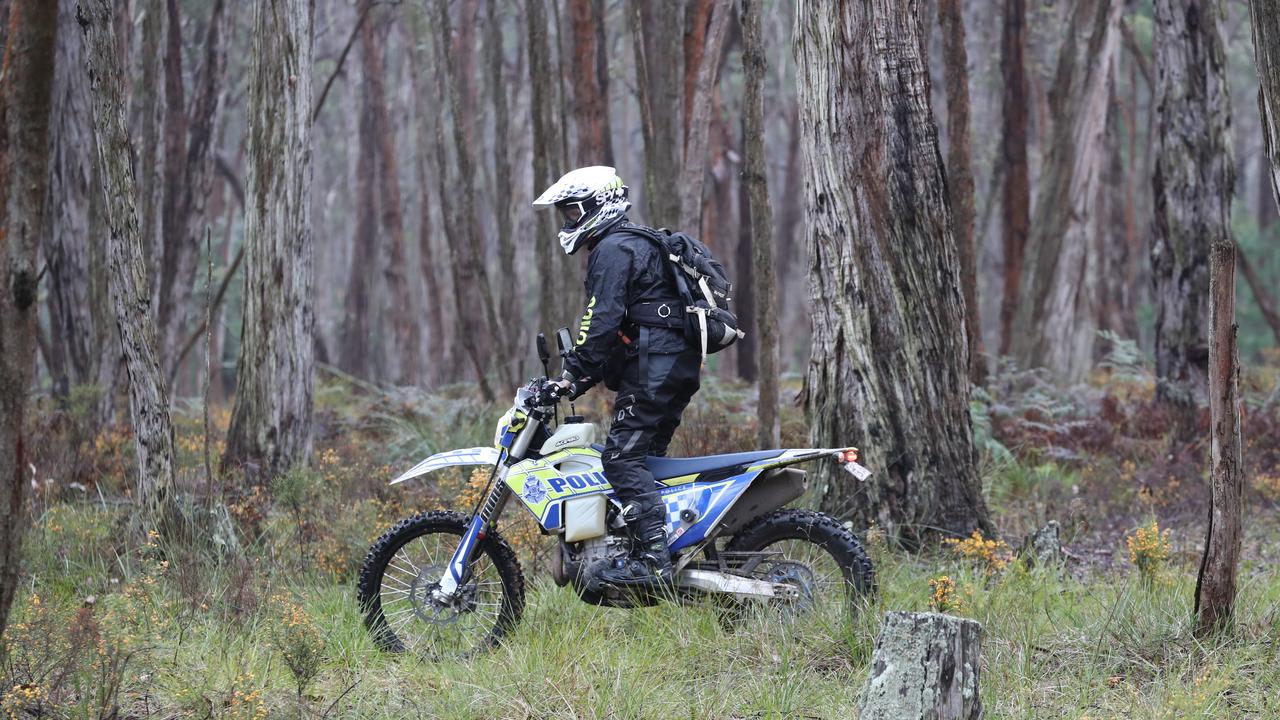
{"x":543,"y":353}
{"x":564,"y":341}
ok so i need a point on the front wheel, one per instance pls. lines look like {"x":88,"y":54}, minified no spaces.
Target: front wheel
{"x":406,"y":564}
{"x":825,"y":565}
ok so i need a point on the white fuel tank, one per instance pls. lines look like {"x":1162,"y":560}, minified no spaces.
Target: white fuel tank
{"x":570,"y":435}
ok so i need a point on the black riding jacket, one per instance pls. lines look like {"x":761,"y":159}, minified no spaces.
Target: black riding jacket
{"x":624,"y":269}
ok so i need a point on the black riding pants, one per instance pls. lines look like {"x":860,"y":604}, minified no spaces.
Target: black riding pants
{"x":646,"y":413}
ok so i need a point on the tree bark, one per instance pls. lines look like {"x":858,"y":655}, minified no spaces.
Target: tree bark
{"x":360,"y":302}
{"x":590,"y":102}
{"x":424,"y":124}
{"x":755,"y":65}
{"x":404,"y":326}
{"x":1216,"y":581}
{"x":511,"y":341}
{"x":176,"y":256}
{"x":656,"y":34}
{"x":150,"y":103}
{"x":694,"y":169}
{"x":275,"y":375}
{"x":66,"y":241}
{"x":889,"y":364}
{"x":1055,"y":324}
{"x":1265,"y":16}
{"x":925,"y":667}
{"x":130,"y":293}
{"x":187,"y":194}
{"x":1016,"y":191}
{"x":475,"y":315}
{"x":558,"y":291}
{"x":25,"y":101}
{"x":1266,"y":303}
{"x":1192,"y":185}
{"x":960,"y":176}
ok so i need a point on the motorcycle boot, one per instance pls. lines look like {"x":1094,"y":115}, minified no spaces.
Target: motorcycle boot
{"x":648,"y":565}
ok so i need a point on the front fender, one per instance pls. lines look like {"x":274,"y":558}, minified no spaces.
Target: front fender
{"x":452,"y":458}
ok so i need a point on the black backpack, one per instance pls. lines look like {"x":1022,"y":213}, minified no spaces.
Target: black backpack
{"x":704,"y":291}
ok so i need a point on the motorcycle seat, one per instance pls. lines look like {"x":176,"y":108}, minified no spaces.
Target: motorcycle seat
{"x":665,"y":468}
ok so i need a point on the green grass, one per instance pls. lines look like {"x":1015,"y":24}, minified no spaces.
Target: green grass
{"x":1054,"y":645}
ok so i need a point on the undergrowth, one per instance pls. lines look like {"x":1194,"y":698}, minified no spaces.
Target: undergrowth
{"x":261,"y":621}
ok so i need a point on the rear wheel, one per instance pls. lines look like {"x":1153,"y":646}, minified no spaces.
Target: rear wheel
{"x":405,"y":565}
{"x":825,"y":566}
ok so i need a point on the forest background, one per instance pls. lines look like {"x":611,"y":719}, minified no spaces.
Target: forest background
{"x":278,"y":253}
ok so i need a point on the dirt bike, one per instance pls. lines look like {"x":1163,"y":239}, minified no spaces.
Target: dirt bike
{"x":444,"y":583}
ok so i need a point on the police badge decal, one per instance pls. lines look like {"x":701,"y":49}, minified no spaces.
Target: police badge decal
{"x":534,"y":491}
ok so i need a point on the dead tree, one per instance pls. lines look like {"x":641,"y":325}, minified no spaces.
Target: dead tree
{"x":275,"y":374}
{"x":960,"y":176}
{"x":755,"y":65}
{"x":1216,"y":580}
{"x":1192,"y":185}
{"x":25,"y":100}
{"x":888,"y":369}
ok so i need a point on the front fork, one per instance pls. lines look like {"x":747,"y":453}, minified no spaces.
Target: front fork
{"x":459,"y":569}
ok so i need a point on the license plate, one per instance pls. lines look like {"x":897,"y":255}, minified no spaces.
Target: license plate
{"x":857,"y":470}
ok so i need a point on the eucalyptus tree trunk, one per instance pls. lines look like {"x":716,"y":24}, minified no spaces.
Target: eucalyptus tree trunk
{"x":1216,"y":581}
{"x":1056,"y":321}
{"x":508,"y":285}
{"x":755,"y":65}
{"x":25,"y":100}
{"x":65,"y":238}
{"x":655,"y":37}
{"x":359,"y":306}
{"x":556,"y":274}
{"x":960,"y":175}
{"x":191,"y":180}
{"x":1015,"y":200}
{"x":590,"y":98}
{"x":405,"y":334}
{"x":1192,"y":185}
{"x":1265,"y":15}
{"x":150,"y":103}
{"x":889,"y":364}
{"x":476,"y":316}
{"x":694,"y":167}
{"x":127,"y":271}
{"x":275,"y":375}
{"x":424,"y":126}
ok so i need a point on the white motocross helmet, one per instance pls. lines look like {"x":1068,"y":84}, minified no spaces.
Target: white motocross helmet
{"x":591,"y":200}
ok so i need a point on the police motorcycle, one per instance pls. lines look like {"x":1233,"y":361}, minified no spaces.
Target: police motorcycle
{"x":445,"y":584}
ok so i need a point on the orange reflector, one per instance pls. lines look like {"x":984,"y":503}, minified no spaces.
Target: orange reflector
{"x":851,"y":455}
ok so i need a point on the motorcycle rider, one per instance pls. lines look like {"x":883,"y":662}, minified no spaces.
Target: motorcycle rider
{"x":631,"y":337}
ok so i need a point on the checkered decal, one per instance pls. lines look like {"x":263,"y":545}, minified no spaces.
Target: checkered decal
{"x":696,"y":498}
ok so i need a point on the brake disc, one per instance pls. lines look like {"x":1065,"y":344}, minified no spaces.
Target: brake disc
{"x":429,"y":609}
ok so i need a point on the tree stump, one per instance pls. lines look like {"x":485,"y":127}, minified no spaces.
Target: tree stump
{"x":925,"y":665}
